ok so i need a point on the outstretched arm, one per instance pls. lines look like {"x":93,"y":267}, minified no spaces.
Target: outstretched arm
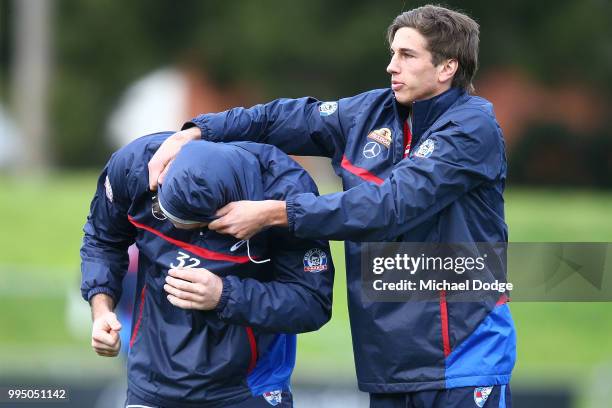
{"x":417,"y":188}
{"x":303,"y":126}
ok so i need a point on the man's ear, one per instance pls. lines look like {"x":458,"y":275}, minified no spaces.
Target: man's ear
{"x":447,"y":70}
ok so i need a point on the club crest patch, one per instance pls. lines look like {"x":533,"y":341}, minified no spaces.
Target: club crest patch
{"x":109,"y":189}
{"x":328,"y":108}
{"x":481,"y":394}
{"x":273,"y":397}
{"x":426,"y":148}
{"x":315,"y":260}
{"x":382,"y":136}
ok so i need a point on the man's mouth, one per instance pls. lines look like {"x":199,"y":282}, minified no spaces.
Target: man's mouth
{"x":396,"y":85}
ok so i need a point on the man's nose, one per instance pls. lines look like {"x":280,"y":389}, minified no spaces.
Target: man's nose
{"x":393,"y":68}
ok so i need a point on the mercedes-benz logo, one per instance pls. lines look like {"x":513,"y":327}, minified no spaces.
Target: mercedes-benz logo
{"x":371,"y":150}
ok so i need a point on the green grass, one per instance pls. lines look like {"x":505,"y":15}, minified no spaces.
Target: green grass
{"x":39,"y":263}
{"x":42,"y":219}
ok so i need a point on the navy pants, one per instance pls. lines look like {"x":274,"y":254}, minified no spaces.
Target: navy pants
{"x":267,"y":400}
{"x":498,"y":396}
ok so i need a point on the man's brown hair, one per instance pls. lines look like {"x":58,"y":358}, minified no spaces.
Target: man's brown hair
{"x":449,"y":35}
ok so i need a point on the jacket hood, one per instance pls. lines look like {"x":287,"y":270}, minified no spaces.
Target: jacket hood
{"x":206,"y":176}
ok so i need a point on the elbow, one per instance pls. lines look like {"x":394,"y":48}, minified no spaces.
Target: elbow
{"x":317,"y":319}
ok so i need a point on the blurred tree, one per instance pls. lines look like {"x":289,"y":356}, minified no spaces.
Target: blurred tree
{"x":322,"y":48}
{"x":30,"y":75}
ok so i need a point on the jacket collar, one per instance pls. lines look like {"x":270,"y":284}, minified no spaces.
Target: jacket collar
{"x":427,"y":111}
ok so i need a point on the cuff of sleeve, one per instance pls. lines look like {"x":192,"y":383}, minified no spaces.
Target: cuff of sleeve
{"x":201,"y":123}
{"x":188,"y":125}
{"x":290,"y":204}
{"x":225,"y":292}
{"x":101,"y":289}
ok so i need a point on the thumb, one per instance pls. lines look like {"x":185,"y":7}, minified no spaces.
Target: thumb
{"x":225,"y":210}
{"x":113,"y":322}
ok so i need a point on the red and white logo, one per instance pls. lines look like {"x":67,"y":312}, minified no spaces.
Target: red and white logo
{"x":481,"y":394}
{"x":315,"y":260}
{"x":273,"y":397}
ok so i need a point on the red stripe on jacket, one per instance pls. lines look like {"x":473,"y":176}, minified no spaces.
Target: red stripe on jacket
{"x":253,"y":345}
{"x":196,"y":250}
{"x":360,"y":172}
{"x":444,"y":321}
{"x":140,"y":309}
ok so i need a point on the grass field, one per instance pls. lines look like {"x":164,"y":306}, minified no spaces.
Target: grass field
{"x":39,"y":264}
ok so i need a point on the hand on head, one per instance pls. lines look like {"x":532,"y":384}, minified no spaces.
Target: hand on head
{"x":161,"y":160}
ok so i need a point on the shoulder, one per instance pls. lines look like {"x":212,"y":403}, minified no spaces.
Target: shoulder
{"x":368,"y":97}
{"x":282,"y":176}
{"x":140,"y":149}
{"x":129,"y":164}
{"x":474,"y":113}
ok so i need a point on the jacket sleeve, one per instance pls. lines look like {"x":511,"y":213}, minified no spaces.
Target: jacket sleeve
{"x":304,"y":126}
{"x":108,"y":234}
{"x":299,"y":299}
{"x":449,"y":163}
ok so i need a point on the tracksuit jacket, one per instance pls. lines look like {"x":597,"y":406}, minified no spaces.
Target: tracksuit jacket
{"x":448,"y":189}
{"x":246,"y":346}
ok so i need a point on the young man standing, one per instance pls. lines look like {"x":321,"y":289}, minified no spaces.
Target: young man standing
{"x":423,"y":161}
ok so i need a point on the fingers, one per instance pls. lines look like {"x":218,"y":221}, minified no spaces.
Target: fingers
{"x":218,"y":225}
{"x":156,"y":167}
{"x":182,"y":294}
{"x":192,"y":275}
{"x":105,"y":348}
{"x":113,"y":322}
{"x":201,"y":293}
{"x":182,"y":303}
{"x":162,"y":176}
{"x":181,"y":285}
{"x":104,"y":337}
{"x":160,"y":162}
{"x":105,"y":344}
{"x":224,"y":222}
{"x":226,"y":209}
{"x":226,"y":225}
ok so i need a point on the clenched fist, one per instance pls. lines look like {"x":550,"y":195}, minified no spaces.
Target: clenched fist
{"x":105,"y":338}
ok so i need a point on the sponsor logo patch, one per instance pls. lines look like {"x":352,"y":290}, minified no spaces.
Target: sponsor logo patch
{"x":109,"y":189}
{"x":382,"y":136}
{"x":315,"y":260}
{"x":481,"y":394}
{"x":327,"y":108}
{"x":273,"y":397}
{"x":426,"y":148}
{"x":371,"y":150}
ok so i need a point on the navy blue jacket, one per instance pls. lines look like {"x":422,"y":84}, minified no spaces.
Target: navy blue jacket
{"x":448,"y":189}
{"x":188,"y":358}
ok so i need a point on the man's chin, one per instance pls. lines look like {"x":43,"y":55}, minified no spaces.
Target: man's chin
{"x":402,"y":98}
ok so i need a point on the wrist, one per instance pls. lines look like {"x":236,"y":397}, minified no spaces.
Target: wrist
{"x":277,"y":214}
{"x":101,"y":304}
{"x":193,"y":133}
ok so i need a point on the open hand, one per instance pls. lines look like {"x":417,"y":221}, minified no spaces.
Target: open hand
{"x":193,"y":288}
{"x":161,"y":160}
{"x":243,"y":219}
